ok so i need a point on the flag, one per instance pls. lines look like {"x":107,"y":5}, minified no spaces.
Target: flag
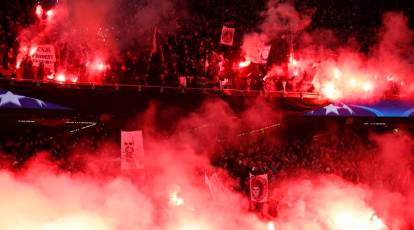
{"x":214,"y":184}
{"x":227,"y":36}
{"x":132,"y":150}
{"x":264,"y":55}
{"x":261,"y":55}
{"x":154,"y":41}
{"x":208,"y":183}
{"x":183,"y":81}
{"x":259,"y":188}
{"x":10,"y":100}
{"x":157,"y":46}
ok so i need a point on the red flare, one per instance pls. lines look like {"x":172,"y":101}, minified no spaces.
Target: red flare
{"x":39,"y":11}
{"x":61,"y":77}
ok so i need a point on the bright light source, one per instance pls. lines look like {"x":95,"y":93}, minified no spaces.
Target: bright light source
{"x":270,"y":226}
{"x":245,"y":63}
{"x":39,"y":11}
{"x":61,"y":77}
{"x":367,"y":86}
{"x":33,"y":50}
{"x":377,"y":223}
{"x":292,"y":60}
{"x":296,"y":72}
{"x":175,"y":200}
{"x":330,"y":91}
{"x":50,"y":13}
{"x":337,"y":73}
{"x":101,"y":67}
{"x":353,"y":83}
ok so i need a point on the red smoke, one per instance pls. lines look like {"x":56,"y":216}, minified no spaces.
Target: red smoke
{"x":342,"y":71}
{"x":170,"y":192}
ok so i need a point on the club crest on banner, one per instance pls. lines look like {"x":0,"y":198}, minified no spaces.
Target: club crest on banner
{"x":132,"y":150}
{"x":259,"y":188}
{"x":260,"y":55}
{"x":227,"y":36}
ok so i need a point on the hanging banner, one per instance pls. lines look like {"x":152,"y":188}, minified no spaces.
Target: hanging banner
{"x":259,"y":188}
{"x":46,"y":55}
{"x":132,"y":150}
{"x":264,"y":55}
{"x":261,"y":55}
{"x":227,"y":36}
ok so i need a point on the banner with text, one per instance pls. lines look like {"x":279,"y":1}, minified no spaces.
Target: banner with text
{"x":45,"y":54}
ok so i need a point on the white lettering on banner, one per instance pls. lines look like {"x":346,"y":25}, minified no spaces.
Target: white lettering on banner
{"x":132,"y":150}
{"x":45,"y":54}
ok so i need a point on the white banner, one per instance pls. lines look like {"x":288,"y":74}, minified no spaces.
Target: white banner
{"x":227,"y":36}
{"x":45,"y":54}
{"x":132,"y":150}
{"x":261,"y":55}
{"x":259,"y":188}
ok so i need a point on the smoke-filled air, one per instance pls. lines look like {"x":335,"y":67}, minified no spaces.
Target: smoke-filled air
{"x":215,"y":164}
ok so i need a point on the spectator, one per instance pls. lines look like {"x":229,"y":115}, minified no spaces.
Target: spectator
{"x":41,"y":71}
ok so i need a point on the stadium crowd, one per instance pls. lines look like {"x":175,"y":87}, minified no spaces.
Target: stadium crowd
{"x":260,"y":153}
{"x":191,"y":56}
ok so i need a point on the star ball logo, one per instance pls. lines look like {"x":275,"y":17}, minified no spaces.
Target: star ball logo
{"x":11,"y":100}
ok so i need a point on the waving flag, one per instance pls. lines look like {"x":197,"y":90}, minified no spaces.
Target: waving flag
{"x":9,"y":100}
{"x":259,"y":188}
{"x":132,"y":150}
{"x":400,"y":108}
{"x":213,"y":184}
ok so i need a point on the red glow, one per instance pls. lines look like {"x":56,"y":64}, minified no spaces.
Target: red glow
{"x":367,"y":86}
{"x":50,"y":77}
{"x":270,"y":225}
{"x":19,"y":62}
{"x":175,"y":200}
{"x":24,"y":49}
{"x":61,"y":77}
{"x":292,"y":60}
{"x":33,"y":50}
{"x":97,"y":66}
{"x":330,"y":91}
{"x":357,"y":219}
{"x":337,"y":73}
{"x":100,"y":67}
{"x":50,"y":13}
{"x":353,"y":83}
{"x":245,"y":63}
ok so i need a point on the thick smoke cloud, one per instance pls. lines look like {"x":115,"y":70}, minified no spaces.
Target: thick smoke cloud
{"x":42,"y":197}
{"x":96,"y":31}
{"x":342,"y":71}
